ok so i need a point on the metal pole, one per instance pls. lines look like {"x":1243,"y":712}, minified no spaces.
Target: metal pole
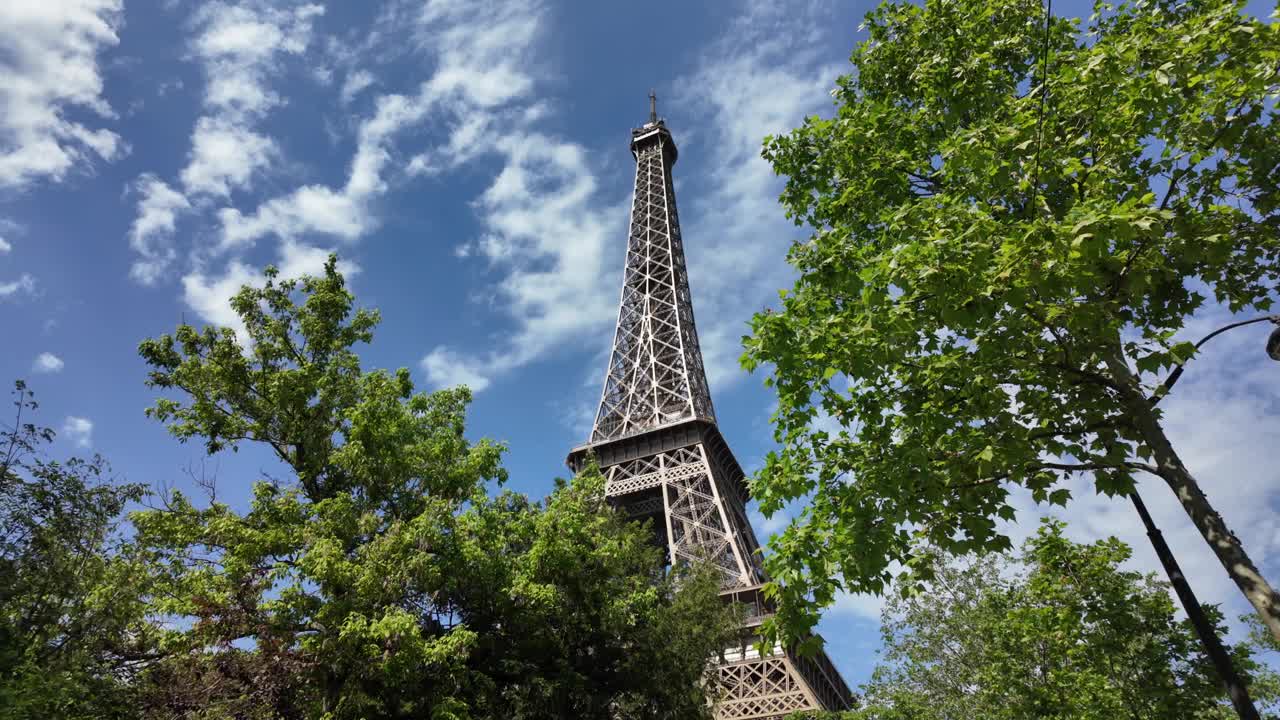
{"x":1212,"y":645}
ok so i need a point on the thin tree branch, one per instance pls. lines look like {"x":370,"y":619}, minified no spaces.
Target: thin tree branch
{"x":1099,"y":466}
{"x":1044,"y":96}
{"x":1168,"y":383}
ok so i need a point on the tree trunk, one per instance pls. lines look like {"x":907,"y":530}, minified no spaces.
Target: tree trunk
{"x":1170,"y":468}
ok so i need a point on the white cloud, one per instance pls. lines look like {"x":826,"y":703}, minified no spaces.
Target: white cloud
{"x":479,"y":53}
{"x":542,"y":223}
{"x":484,"y":55}
{"x":546,"y":229}
{"x":309,"y":209}
{"x":5,"y":247}
{"x":78,"y":430}
{"x":158,"y":208}
{"x":736,"y":234}
{"x":468,"y":139}
{"x":48,"y":72}
{"x":239,"y":45}
{"x":297,"y":260}
{"x":861,"y":606}
{"x":445,"y":369}
{"x":419,"y":164}
{"x":343,"y":213}
{"x":224,"y":156}
{"x":767,"y":526}
{"x":47,"y":363}
{"x":240,"y":48}
{"x":209,"y":294}
{"x":547,"y":232}
{"x":356,"y":83}
{"x":24,"y":284}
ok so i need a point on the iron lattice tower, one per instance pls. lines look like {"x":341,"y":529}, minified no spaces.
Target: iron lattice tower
{"x":657,"y":442}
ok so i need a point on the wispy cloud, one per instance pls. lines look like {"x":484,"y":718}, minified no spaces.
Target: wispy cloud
{"x":477,"y":52}
{"x":47,"y":362}
{"x":225,"y":155}
{"x":544,"y":227}
{"x":49,"y":74}
{"x":241,"y":49}
{"x":24,"y":285}
{"x":158,"y":208}
{"x":356,"y":83}
{"x":209,"y":294}
{"x":737,"y":234}
{"x":550,"y":234}
{"x":546,"y":235}
{"x":446,"y":369}
{"x":479,"y":59}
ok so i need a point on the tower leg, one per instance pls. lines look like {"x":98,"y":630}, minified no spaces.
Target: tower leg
{"x":694,"y":482}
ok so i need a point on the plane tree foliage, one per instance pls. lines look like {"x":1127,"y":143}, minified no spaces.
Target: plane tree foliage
{"x":1060,"y":630}
{"x":374,"y":575}
{"x":1014,"y":216}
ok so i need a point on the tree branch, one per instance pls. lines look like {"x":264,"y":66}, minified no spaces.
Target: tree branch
{"x":1168,"y":383}
{"x":1069,"y":467}
{"x":1095,"y":377}
{"x":986,"y":481}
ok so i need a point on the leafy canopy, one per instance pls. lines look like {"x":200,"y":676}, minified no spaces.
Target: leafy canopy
{"x":72,"y":626}
{"x":379,"y":578}
{"x":998,"y":232}
{"x":1059,"y":632}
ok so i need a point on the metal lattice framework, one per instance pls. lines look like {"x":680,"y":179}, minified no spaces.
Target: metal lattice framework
{"x":776,"y":684}
{"x":655,"y":374}
{"x":656,"y":439}
{"x":761,"y":688}
{"x":703,"y":513}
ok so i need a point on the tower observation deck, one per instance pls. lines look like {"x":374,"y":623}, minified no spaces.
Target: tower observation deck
{"x":656,"y":440}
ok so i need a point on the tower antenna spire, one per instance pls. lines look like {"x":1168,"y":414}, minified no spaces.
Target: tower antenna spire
{"x":653,"y":107}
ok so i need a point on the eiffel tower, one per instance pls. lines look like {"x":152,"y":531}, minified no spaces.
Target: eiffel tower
{"x":657,"y":442}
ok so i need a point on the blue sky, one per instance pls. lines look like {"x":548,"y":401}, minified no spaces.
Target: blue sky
{"x":469,"y":163}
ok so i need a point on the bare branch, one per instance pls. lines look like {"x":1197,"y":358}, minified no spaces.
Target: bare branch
{"x":1168,"y":383}
{"x":1080,"y":467}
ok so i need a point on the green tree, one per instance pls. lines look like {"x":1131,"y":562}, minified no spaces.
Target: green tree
{"x":1014,"y":216}
{"x":380,"y":579}
{"x":1059,"y":632}
{"x":72,"y":630}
